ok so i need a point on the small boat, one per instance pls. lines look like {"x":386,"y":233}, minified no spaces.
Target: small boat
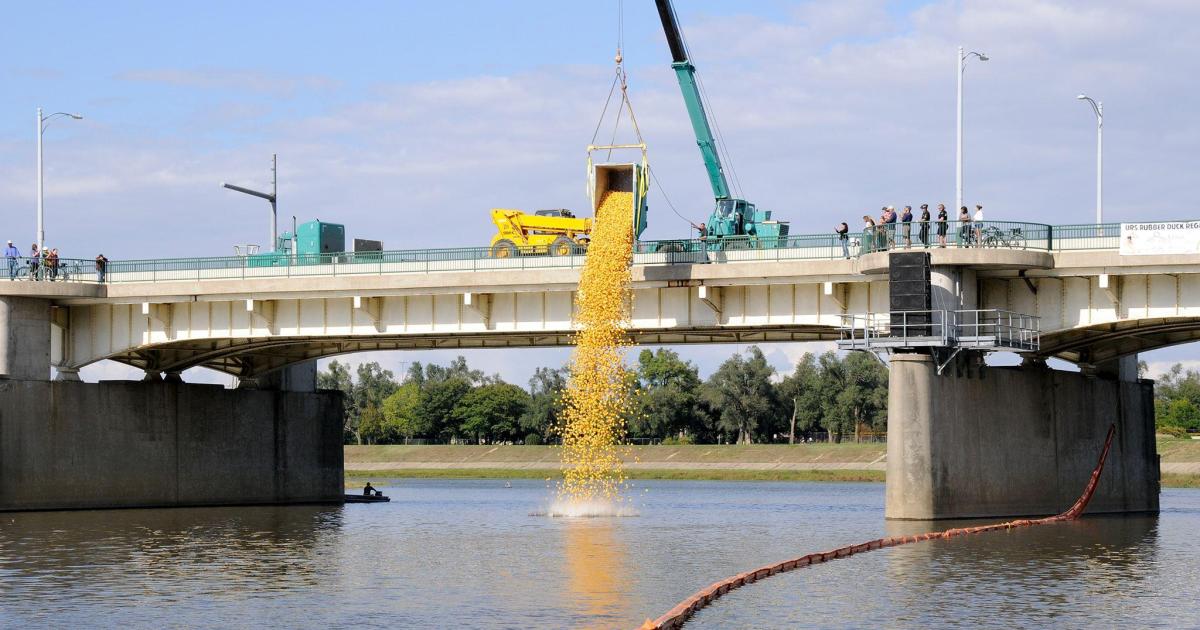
{"x":362,"y":498}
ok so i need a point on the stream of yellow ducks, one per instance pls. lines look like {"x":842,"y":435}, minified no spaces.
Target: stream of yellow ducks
{"x":597,"y":398}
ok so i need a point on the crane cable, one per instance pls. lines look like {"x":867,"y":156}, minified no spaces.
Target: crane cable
{"x":620,"y":78}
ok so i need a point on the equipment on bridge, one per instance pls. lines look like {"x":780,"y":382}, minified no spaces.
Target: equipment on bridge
{"x":558,"y":232}
{"x":313,"y":243}
{"x":555,"y":232}
{"x":734,"y":223}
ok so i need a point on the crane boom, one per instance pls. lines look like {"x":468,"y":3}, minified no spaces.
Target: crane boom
{"x":685,"y":72}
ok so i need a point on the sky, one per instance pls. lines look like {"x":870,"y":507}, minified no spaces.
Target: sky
{"x":409,"y":121}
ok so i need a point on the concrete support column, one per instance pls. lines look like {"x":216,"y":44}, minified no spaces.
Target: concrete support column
{"x":300,"y":377}
{"x":70,"y":375}
{"x":1020,"y":441}
{"x":953,"y":288}
{"x":24,"y":338}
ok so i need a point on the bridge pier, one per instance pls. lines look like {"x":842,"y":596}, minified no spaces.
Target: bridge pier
{"x":1014,"y":441}
{"x":70,"y":445}
{"x":24,"y":338}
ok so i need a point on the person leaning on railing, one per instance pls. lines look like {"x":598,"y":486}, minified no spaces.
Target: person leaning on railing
{"x":868,"y":233}
{"x":35,"y":258}
{"x":101,"y":268}
{"x":843,"y":232}
{"x":13,"y":256}
{"x":52,"y":263}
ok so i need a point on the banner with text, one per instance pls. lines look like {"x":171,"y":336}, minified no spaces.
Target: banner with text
{"x":1167,"y":237}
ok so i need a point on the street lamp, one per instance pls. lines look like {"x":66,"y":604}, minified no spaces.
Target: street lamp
{"x":42,"y":123}
{"x":1099,"y":109}
{"x":271,"y":197}
{"x":962,"y":66}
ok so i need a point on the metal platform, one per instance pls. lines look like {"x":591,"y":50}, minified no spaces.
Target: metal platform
{"x":989,"y":330}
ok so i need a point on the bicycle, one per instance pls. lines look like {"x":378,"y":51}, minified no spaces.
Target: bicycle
{"x":995,"y":237}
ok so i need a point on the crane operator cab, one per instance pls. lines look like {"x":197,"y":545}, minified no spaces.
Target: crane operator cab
{"x":739,"y":224}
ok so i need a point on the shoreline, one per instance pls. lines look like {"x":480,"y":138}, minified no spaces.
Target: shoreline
{"x":846,"y":462}
{"x":847,"y":475}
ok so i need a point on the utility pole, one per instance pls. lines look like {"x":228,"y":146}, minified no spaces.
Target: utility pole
{"x":958,"y":162}
{"x":271,"y":197}
{"x":1098,"y":108}
{"x":42,"y":123}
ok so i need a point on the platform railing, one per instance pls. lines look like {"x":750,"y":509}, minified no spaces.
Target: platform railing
{"x":983,"y":329}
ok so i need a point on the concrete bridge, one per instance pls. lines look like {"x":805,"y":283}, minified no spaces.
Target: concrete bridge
{"x":1094,"y":306}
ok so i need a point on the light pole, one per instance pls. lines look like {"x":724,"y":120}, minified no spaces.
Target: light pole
{"x":42,"y":123}
{"x":271,"y":197}
{"x":1099,"y":109}
{"x":958,"y":179}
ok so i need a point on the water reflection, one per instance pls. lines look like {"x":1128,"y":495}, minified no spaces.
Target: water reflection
{"x":1035,"y":572}
{"x":597,"y":576}
{"x":134,"y":554}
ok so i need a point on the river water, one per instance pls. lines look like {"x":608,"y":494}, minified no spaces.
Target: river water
{"x":450,"y":553}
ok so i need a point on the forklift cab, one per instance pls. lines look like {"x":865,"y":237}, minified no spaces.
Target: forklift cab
{"x":555,"y":212}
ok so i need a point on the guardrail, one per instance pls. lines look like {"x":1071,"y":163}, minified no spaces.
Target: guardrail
{"x":829,"y":246}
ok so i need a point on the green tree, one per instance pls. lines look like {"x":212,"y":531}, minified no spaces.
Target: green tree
{"x":742,"y":392}
{"x":803,"y":394}
{"x":336,"y":376}
{"x":1176,"y":398}
{"x":668,"y":396}
{"x":400,"y":412}
{"x":372,"y":426}
{"x":491,"y":411}
{"x":438,"y":400}
{"x":546,"y":388}
{"x":859,"y":387}
{"x":371,"y":386}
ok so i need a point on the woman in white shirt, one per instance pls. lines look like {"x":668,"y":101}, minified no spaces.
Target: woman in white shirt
{"x":978,"y":221}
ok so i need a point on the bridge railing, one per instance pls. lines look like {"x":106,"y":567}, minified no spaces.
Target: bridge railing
{"x":1087,"y":236}
{"x":957,"y":234}
{"x":983,"y":234}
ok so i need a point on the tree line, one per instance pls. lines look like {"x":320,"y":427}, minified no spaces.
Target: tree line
{"x":744,"y":401}
{"x":1177,"y":401}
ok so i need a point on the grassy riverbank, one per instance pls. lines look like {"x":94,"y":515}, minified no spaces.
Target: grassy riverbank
{"x":758,"y":462}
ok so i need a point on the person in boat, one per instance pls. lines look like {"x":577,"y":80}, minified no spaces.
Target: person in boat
{"x":368,"y":491}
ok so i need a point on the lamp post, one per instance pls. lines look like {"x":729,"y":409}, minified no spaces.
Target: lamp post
{"x":1098,"y":107}
{"x":271,"y":197}
{"x":962,"y":66}
{"x":42,"y":123}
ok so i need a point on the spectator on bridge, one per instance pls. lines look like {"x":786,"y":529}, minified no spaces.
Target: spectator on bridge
{"x":868,"y":232}
{"x":964,"y":227}
{"x":843,"y":232}
{"x":35,"y":258}
{"x":924,"y":222}
{"x":906,"y":219}
{"x":101,"y":268}
{"x":889,"y":229}
{"x":13,"y":255}
{"x":942,"y":224}
{"x":978,"y":221}
{"x":52,"y":263}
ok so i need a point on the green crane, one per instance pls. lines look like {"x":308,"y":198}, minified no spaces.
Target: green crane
{"x":734,"y":222}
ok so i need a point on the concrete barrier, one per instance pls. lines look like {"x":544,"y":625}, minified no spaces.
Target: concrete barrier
{"x":67,"y":445}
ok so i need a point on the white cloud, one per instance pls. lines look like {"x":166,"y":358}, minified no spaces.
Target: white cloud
{"x":230,"y":79}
